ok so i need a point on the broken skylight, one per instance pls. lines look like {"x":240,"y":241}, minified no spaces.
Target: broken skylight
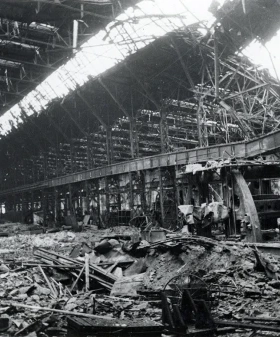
{"x":131,"y":31}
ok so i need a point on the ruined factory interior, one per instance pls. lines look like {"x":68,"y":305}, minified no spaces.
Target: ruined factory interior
{"x":140,"y":168}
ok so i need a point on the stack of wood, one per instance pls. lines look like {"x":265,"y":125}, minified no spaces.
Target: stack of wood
{"x":76,"y":268}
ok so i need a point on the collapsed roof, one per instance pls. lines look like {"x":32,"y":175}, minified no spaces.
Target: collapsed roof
{"x":175,"y":75}
{"x":37,"y":37}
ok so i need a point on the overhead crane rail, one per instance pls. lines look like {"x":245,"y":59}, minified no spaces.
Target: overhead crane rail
{"x":264,"y":145}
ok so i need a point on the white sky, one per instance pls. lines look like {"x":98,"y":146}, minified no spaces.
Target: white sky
{"x":266,"y":55}
{"x":100,"y":53}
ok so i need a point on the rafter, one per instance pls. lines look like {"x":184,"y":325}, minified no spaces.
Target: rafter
{"x":92,"y":110}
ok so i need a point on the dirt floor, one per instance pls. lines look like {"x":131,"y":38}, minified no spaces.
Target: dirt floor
{"x":127,"y":280}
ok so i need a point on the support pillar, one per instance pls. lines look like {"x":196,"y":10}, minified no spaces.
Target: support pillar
{"x":164,"y":140}
{"x":201,"y":127}
{"x":119,"y":194}
{"x":23,"y":203}
{"x":107,"y":195}
{"x":56,"y":163}
{"x":66,"y":201}
{"x":176,"y":191}
{"x":71,"y":211}
{"x":72,"y":158}
{"x":14,"y":203}
{"x":216,"y":63}
{"x":32,"y":205}
{"x":161,"y":197}
{"x":98,"y":200}
{"x":109,"y":146}
{"x":247,"y":201}
{"x":44,"y":205}
{"x":131,"y":195}
{"x":143,"y":191}
{"x":45,"y":166}
{"x":189,"y":190}
{"x":24,"y":172}
{"x":204,"y":188}
{"x":56,"y":204}
{"x":86,"y":188}
{"x":134,"y":144}
{"x":88,"y":153}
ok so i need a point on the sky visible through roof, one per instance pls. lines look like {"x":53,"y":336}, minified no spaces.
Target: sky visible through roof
{"x":131,"y":31}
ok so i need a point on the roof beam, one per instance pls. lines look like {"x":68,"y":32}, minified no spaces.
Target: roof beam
{"x":114,"y":98}
{"x":7,"y":62}
{"x":183,"y":63}
{"x":92,"y":110}
{"x":27,"y":39}
{"x":147,"y":93}
{"x":11,"y":93}
{"x":20,"y":62}
{"x":62,"y":105}
{"x":10,"y":78}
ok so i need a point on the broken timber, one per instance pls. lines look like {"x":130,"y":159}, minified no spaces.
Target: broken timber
{"x":96,"y":273}
{"x":248,"y":325}
{"x":62,"y":312}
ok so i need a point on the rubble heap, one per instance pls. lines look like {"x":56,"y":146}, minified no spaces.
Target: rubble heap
{"x":49,"y":282}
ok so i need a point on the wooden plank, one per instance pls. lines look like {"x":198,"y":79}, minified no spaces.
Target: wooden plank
{"x":248,"y":325}
{"x":262,"y":319}
{"x":62,"y":312}
{"x":77,"y":279}
{"x":52,"y":289}
{"x":110,"y":277}
{"x":84,"y":322}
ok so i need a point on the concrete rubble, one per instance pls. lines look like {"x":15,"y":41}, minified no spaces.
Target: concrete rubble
{"x":52,"y":284}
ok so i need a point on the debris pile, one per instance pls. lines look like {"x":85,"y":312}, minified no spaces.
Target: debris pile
{"x":64,"y":283}
{"x":14,"y":228}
